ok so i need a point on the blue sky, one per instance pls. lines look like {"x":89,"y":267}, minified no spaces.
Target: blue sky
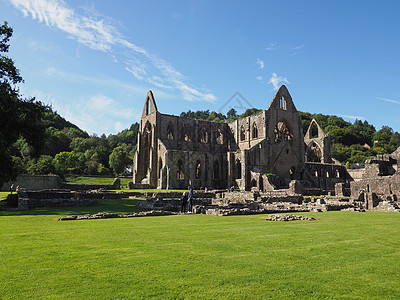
{"x":94,"y":61}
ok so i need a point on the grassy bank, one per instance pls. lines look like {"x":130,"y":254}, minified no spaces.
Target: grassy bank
{"x":342,"y":255}
{"x":96,"y":180}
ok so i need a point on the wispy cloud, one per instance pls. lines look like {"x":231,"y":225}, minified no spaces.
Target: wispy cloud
{"x":276,"y":80}
{"x":91,"y":109}
{"x":272,"y":46}
{"x":388,"y":100}
{"x":260,"y":63}
{"x":260,"y":78}
{"x":100,"y":34}
{"x":299,"y":47}
{"x":352,"y":117}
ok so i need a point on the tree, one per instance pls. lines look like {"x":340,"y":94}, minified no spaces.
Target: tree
{"x":232,"y":115}
{"x":18,"y":117}
{"x":66,"y":163}
{"x":43,"y":166}
{"x":118,"y":160}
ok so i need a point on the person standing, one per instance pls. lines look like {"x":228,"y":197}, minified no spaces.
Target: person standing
{"x":190,"y":199}
{"x":184,"y":202}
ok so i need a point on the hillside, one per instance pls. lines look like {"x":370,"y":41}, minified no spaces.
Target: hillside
{"x":68,"y":149}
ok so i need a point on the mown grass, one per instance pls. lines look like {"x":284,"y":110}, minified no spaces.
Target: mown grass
{"x":341,"y":255}
{"x":109,"y":180}
{"x":3,"y":195}
{"x":96,"y":180}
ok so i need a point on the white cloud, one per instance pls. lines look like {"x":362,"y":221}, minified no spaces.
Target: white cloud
{"x":352,"y":117}
{"x":272,"y":46}
{"x":260,"y":63}
{"x":276,"y":81}
{"x":99,"y":34}
{"x":299,"y":47}
{"x":105,"y":105}
{"x":260,"y":78}
{"x":388,"y":100}
{"x":119,"y":126}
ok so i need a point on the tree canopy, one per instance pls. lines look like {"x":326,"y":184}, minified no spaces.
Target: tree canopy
{"x":19,"y":118}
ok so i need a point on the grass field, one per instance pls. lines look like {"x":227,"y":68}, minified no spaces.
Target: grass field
{"x":341,"y":255}
{"x":109,"y":180}
{"x":97,"y":180}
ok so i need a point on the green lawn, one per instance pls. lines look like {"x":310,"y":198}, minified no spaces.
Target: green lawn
{"x":97,"y":180}
{"x":341,"y":255}
{"x":3,"y":195}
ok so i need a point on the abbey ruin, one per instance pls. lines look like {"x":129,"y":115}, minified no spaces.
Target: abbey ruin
{"x":263,"y":152}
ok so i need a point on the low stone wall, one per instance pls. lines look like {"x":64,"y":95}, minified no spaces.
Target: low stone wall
{"x":32,"y":199}
{"x":34,"y":182}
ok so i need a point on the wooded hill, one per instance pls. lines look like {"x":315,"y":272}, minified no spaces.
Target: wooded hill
{"x":69,"y":150}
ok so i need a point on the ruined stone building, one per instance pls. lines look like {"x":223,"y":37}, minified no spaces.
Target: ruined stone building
{"x":380,"y":181}
{"x":262,"y":152}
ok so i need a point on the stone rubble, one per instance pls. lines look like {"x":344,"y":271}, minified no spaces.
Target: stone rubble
{"x":288,"y":217}
{"x":107,"y":215}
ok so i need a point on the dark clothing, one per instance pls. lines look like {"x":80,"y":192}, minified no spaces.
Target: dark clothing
{"x":184,"y":203}
{"x":190,"y":200}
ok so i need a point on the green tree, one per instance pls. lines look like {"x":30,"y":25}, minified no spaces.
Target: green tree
{"x":231,"y":115}
{"x":382,"y":137}
{"x":66,"y":163}
{"x":43,"y":166}
{"x":18,"y":116}
{"x":118,"y":160}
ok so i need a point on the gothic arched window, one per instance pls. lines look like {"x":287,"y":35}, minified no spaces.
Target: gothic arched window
{"x":242,"y":133}
{"x":282,"y":132}
{"x":179,"y":172}
{"x":170,"y":131}
{"x":203,"y":135}
{"x":198,"y":170}
{"x":254,"y":131}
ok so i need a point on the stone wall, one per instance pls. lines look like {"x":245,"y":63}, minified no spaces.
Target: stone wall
{"x":32,"y":199}
{"x":356,"y":174}
{"x":34,"y":182}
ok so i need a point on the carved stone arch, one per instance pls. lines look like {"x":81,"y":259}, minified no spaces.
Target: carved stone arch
{"x":204,"y":135}
{"x":254,"y":130}
{"x":282,"y":132}
{"x":187,"y":133}
{"x":198,"y":170}
{"x":219,"y":136}
{"x":242,"y":133}
{"x":313,"y":152}
{"x":147,"y":145}
{"x":180,"y":170}
{"x":282,"y":103}
{"x":170,"y":131}
{"x":238,"y":169}
{"x":313,"y":131}
{"x":149,"y":105}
